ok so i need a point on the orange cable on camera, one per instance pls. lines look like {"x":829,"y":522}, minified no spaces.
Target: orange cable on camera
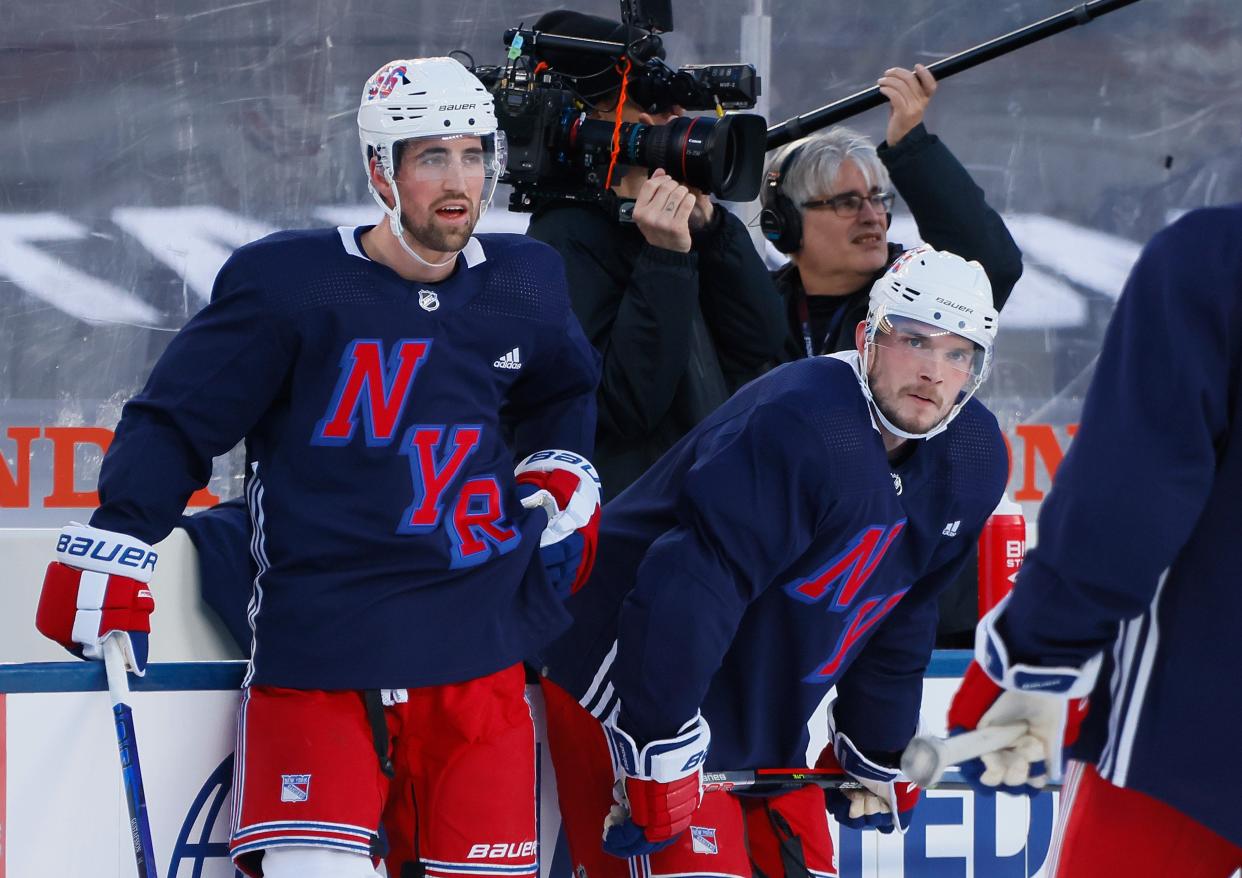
{"x":616,"y":128}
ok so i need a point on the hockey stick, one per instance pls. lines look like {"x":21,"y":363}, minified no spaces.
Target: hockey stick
{"x":131,"y":771}
{"x":773,"y":779}
{"x":926,"y":757}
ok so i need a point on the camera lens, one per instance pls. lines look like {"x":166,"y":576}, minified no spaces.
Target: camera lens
{"x":721,"y":156}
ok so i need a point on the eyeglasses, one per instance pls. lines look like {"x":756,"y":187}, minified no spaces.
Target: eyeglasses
{"x":850,"y":203}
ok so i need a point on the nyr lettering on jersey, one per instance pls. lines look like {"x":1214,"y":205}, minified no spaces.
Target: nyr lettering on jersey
{"x":479,"y":524}
{"x":841,"y":581}
{"x":849,"y":571}
{"x":433,"y":469}
{"x":379,"y":390}
{"x":866,"y":617}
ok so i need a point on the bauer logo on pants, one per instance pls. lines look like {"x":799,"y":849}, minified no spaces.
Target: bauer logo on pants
{"x":294,"y":787}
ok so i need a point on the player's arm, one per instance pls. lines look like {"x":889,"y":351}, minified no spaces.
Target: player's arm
{"x":1142,"y":464}
{"x":549,"y":415}
{"x":876,"y":711}
{"x":750,"y":505}
{"x":1125,"y":500}
{"x":205,"y":393}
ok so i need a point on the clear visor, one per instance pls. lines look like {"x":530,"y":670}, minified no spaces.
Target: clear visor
{"x":466,"y":158}
{"x":930,"y":348}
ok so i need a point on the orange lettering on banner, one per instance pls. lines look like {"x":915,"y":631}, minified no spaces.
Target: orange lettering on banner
{"x":15,"y":490}
{"x":65,"y":442}
{"x":1041,"y":440}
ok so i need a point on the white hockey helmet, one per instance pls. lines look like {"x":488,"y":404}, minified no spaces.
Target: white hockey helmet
{"x":426,"y":98}
{"x":941,"y":290}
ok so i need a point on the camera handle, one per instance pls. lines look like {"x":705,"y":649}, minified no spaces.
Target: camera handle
{"x":799,"y":126}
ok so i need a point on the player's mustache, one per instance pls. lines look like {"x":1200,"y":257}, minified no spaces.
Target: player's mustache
{"x":926,"y":393}
{"x":447,"y":199}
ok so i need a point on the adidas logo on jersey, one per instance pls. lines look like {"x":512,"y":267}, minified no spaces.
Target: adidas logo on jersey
{"x":950,"y":529}
{"x":511,"y":360}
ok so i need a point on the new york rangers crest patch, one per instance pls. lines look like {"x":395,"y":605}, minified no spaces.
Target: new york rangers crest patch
{"x":703,"y":840}
{"x":294,"y":787}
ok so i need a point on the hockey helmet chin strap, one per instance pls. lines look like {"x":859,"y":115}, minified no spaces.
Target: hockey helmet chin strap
{"x":860,"y":370}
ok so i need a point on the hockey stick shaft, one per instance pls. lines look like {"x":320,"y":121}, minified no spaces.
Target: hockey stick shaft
{"x":926,"y":757}
{"x":774,"y":779}
{"x":131,"y":771}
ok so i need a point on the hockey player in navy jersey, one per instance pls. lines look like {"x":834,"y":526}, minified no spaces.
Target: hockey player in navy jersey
{"x":385,"y":380}
{"x":796,"y":540}
{"x":1131,"y":595}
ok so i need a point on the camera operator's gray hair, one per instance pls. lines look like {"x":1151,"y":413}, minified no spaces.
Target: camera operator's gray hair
{"x":819,"y":160}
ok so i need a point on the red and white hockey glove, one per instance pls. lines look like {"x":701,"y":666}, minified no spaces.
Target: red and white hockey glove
{"x":98,"y":585}
{"x":565,"y":486}
{"x":1051,"y":701}
{"x":889,"y":797}
{"x":659,"y":788}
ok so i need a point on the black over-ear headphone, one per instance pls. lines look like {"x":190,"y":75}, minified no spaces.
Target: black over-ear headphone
{"x":781,"y":220}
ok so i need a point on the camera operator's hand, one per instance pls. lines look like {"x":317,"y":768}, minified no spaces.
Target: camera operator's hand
{"x":662,"y":212}
{"x":908,"y":93}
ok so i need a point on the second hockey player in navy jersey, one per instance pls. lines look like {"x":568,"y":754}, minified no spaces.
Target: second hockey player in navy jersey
{"x":385,"y":379}
{"x":796,"y":540}
{"x":1132,"y":595}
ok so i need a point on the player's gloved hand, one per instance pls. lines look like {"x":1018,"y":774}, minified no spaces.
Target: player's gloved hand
{"x":659,"y":790}
{"x":1051,"y":701}
{"x":888,"y":798}
{"x":98,"y":585}
{"x":565,"y":485}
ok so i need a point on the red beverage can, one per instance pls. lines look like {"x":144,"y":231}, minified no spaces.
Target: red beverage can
{"x":1002,"y":546}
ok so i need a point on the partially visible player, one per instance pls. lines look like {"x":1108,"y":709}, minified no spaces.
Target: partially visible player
{"x":385,"y":379}
{"x":795,"y":540}
{"x":1131,"y":594}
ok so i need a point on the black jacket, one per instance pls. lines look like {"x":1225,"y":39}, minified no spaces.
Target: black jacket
{"x":679,"y":332}
{"x":952,"y":214}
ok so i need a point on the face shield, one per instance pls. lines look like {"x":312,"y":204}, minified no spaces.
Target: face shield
{"x":473,"y":162}
{"x":945,"y":365}
{"x":441,"y":170}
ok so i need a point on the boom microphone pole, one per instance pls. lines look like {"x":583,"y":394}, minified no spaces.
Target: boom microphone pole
{"x":792,"y":129}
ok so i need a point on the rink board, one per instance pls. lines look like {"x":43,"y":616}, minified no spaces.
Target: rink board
{"x":62,"y":809}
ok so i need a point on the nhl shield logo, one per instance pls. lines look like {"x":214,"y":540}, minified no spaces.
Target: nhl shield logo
{"x":428,"y":300}
{"x":703,"y":840}
{"x":294,"y":787}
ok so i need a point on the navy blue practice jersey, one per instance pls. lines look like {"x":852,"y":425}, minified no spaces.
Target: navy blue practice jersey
{"x":1134,"y":556}
{"x":774,"y":553}
{"x":382,"y":419}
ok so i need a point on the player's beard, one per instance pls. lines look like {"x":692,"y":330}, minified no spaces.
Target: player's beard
{"x":919,"y":421}
{"x":438,"y":236}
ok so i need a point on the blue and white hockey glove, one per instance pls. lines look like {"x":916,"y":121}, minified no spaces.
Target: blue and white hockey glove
{"x":98,"y":586}
{"x":1050,"y":701}
{"x":565,"y":486}
{"x":888,"y":798}
{"x":659,"y":788}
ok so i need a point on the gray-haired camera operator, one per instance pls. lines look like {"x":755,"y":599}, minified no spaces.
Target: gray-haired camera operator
{"x":679,"y":303}
{"x":827,"y":200}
